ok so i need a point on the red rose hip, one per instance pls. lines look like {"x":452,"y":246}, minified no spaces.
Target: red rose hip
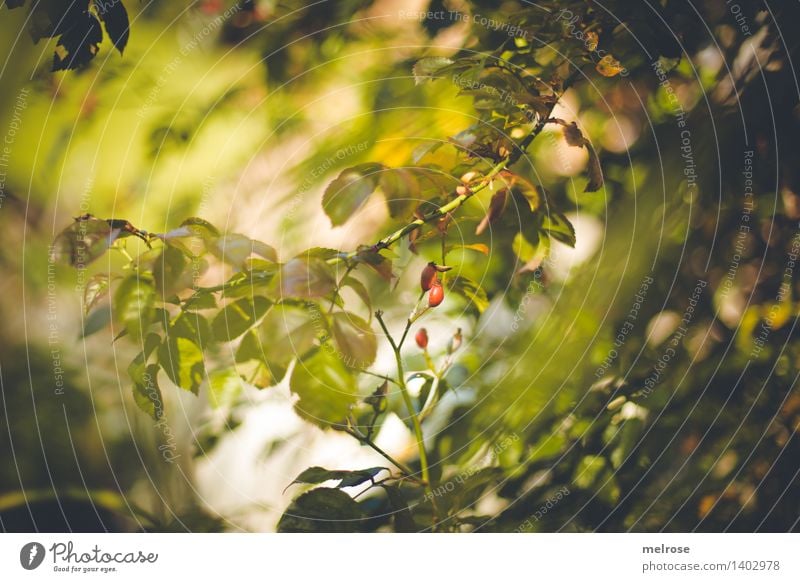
{"x":428,"y":277}
{"x":422,"y":338}
{"x":436,"y":294}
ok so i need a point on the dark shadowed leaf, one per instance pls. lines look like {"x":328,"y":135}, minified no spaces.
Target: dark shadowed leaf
{"x":317,"y":475}
{"x":78,"y":45}
{"x":595,"y":171}
{"x":557,"y":226}
{"x":403,"y":519}
{"x":322,"y":510}
{"x":375,"y":261}
{"x":115,"y":19}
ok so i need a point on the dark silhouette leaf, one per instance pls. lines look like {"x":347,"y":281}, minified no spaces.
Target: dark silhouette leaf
{"x":115,"y":18}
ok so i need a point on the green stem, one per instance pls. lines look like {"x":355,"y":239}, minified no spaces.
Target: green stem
{"x":362,"y":439}
{"x":440,"y":212}
{"x":401,"y":382}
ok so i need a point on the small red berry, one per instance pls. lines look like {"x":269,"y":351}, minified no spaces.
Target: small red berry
{"x":436,"y":294}
{"x":429,"y":277}
{"x":422,"y":338}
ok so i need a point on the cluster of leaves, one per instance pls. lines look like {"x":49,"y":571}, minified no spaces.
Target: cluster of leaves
{"x":77,"y":26}
{"x":266,"y":318}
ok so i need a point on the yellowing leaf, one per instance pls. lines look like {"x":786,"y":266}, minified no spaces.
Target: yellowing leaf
{"x":591,"y":41}
{"x":608,"y":66}
{"x":224,"y":387}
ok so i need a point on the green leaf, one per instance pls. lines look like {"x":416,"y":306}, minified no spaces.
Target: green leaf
{"x":96,"y":288}
{"x":376,"y":261}
{"x":306,"y":278}
{"x":623,"y":439}
{"x":403,"y":518}
{"x":224,"y":388}
{"x":326,"y":389}
{"x":401,"y":190}
{"x":533,"y":256}
{"x":96,"y":320}
{"x":557,"y":226}
{"x":251,"y":362}
{"x":236,"y":318}
{"x":470,"y":290}
{"x":317,"y":475}
{"x":235,"y":249}
{"x":319,"y":253}
{"x":167,"y":270}
{"x":192,"y":326}
{"x":595,"y":171}
{"x":182,"y":360}
{"x":350,"y":191}
{"x":477,"y":247}
{"x":360,"y":290}
{"x":134,"y":304}
{"x":147,"y":394}
{"x":200,"y":301}
{"x":593,"y":473}
{"x":194,"y":236}
{"x":429,"y":68}
{"x":290,"y":332}
{"x":322,"y":510}
{"x":83,"y":241}
{"x":355,"y":340}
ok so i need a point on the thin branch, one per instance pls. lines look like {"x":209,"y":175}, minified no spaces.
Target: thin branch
{"x":364,"y":440}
